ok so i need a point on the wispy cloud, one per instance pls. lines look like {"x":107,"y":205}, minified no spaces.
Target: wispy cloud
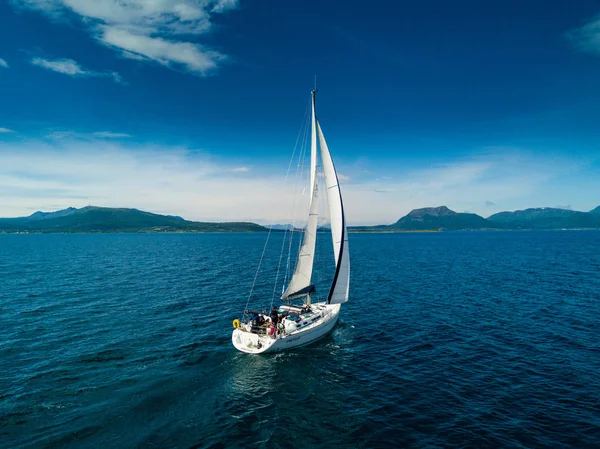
{"x":6,"y":130}
{"x":587,"y":38}
{"x":110,"y":135}
{"x":158,"y":31}
{"x":66,"y":66}
{"x":189,"y":56}
{"x":74,"y":135}
{"x":514,"y":178}
{"x":169,"y":180}
{"x":199,"y":186}
{"x":3,"y":63}
{"x":72,"y":68}
{"x":57,"y":135}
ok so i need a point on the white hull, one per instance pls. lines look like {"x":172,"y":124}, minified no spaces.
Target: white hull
{"x":257,"y":344}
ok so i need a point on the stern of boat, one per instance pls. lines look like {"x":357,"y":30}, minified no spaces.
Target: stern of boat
{"x":251,"y":343}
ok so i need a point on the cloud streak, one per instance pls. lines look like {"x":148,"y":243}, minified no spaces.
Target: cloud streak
{"x":72,"y":68}
{"x":159,"y":31}
{"x":587,"y":38}
{"x":497,"y":180}
{"x":170,"y":53}
{"x":3,"y":63}
{"x":196,"y":185}
{"x":110,"y":135}
{"x":79,"y":136}
{"x":170,"y":180}
{"x":6,"y":130}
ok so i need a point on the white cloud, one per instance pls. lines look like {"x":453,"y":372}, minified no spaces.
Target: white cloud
{"x":515,"y":179}
{"x":179,"y":181}
{"x":72,"y":68}
{"x":57,"y":135}
{"x":66,"y":66}
{"x":587,"y":38}
{"x":115,"y":76}
{"x":146,"y":30}
{"x":168,"y":180}
{"x":190,"y":56}
{"x":3,"y":63}
{"x":74,"y":135}
{"x":6,"y":130}
{"x":110,"y":135}
{"x":225,"y":5}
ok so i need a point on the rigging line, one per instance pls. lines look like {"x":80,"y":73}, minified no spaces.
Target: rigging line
{"x":294,"y":230}
{"x":299,"y":175}
{"x":301,"y":179}
{"x":303,"y":132}
{"x":273,"y":219}
{"x":304,"y":121}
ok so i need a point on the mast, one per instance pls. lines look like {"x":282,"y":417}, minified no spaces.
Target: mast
{"x":313,"y":143}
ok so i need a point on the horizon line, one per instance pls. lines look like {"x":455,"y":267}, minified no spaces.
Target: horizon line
{"x":257,"y":221}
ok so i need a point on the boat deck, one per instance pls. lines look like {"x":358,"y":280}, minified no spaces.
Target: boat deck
{"x":294,"y":329}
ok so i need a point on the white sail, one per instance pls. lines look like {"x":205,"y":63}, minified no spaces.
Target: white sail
{"x":341,"y":280}
{"x":300,"y":282}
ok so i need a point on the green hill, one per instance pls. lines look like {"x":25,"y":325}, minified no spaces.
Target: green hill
{"x":106,"y":219}
{"x":439,"y":218}
{"x":547,"y":218}
{"x":443,"y":219}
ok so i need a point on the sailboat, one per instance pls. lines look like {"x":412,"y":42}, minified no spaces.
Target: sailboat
{"x":298,"y":321}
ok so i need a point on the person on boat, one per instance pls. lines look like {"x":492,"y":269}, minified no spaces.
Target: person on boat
{"x":260,"y":320}
{"x":274,"y":316}
{"x":274,"y":320}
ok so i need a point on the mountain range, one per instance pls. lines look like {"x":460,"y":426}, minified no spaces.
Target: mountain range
{"x":442,"y":218}
{"x":106,"y":219}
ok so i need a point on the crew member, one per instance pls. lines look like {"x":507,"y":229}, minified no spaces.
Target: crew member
{"x":274,"y":316}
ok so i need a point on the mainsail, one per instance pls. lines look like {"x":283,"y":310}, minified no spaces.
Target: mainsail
{"x":338,"y":292}
{"x":300,"y":283}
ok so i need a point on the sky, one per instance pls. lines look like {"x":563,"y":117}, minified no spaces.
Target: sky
{"x":193,"y":107}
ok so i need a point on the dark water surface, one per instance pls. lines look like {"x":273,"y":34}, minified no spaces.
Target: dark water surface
{"x":466,"y":339}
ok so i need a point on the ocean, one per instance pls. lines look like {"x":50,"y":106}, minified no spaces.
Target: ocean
{"x":451,"y":339}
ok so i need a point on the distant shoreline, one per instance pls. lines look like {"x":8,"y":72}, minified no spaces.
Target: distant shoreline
{"x":106,"y":220}
{"x":350,"y":231}
{"x":390,"y":231}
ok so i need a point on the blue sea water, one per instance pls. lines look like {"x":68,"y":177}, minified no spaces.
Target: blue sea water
{"x":458,"y":339}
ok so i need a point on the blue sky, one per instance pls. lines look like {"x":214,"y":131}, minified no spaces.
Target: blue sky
{"x":193,"y":107}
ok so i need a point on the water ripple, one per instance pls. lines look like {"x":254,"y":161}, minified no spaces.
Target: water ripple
{"x":450,"y":339}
